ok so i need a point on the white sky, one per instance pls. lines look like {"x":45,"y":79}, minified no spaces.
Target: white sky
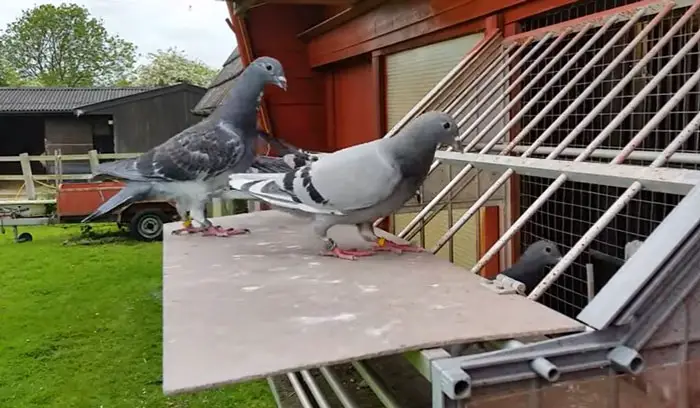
{"x":196,"y":26}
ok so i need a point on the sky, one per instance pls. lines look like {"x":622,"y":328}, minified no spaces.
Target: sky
{"x":196,"y":26}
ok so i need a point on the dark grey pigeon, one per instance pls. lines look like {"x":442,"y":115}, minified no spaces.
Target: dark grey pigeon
{"x":358,"y":184}
{"x":530,"y":268}
{"x":193,"y":166}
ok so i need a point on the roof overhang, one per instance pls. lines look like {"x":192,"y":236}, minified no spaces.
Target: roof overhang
{"x":241,"y":7}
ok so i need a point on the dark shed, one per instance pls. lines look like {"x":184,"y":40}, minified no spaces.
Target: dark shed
{"x":149,"y":118}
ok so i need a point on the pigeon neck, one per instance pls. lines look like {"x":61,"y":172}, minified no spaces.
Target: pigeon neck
{"x":243,"y":100}
{"x":414,"y":155}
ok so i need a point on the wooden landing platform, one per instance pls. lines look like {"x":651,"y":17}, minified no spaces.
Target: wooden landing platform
{"x":252,"y":306}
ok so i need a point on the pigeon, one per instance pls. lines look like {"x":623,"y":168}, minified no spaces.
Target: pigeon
{"x":530,"y":268}
{"x":193,"y":166}
{"x":358,"y":184}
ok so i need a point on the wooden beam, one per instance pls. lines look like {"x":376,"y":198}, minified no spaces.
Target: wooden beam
{"x":397,"y":22}
{"x":339,"y":19}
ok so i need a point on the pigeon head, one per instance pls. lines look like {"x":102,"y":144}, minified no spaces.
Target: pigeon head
{"x":270,"y":70}
{"x":434,"y":128}
{"x":544,"y":251}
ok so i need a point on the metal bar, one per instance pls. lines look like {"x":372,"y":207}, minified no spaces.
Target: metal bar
{"x":315,"y":390}
{"x":337,"y":388}
{"x":596,"y":19}
{"x":621,"y":202}
{"x":490,"y":93}
{"x":624,"y":286}
{"x":376,"y":385}
{"x":503,"y":178}
{"x":299,"y":390}
{"x":440,"y":206}
{"x":525,"y":216}
{"x":590,"y":282}
{"x":438,"y":88}
{"x":645,"y":155}
{"x":473,"y":126}
{"x":492,"y":60}
{"x":661,"y":179}
{"x":275,"y":393}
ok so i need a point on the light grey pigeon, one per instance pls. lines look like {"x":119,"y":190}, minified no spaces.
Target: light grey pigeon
{"x":530,"y":268}
{"x":358,"y":184}
{"x":193,"y":166}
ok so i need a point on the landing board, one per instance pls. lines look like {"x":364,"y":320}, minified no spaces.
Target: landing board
{"x":251,"y":306}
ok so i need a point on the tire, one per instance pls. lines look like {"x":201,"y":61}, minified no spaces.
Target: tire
{"x":147,"y":225}
{"x":24,"y":237}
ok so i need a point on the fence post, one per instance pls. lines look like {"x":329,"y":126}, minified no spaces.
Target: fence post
{"x":27,"y":174}
{"x":94,"y":161}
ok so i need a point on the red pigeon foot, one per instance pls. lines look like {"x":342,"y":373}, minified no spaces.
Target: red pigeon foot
{"x":384,"y":244}
{"x":188,"y":230}
{"x":219,"y":231}
{"x":349,"y":254}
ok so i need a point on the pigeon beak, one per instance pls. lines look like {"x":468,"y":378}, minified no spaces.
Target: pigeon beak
{"x":281,"y":81}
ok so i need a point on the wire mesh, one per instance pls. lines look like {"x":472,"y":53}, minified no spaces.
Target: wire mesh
{"x":573,"y":209}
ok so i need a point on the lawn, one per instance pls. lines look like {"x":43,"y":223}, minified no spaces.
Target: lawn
{"x":80,"y":326}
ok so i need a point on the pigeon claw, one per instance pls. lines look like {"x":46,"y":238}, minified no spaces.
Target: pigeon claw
{"x":219,"y":231}
{"x":188,"y":229}
{"x":349,"y":254}
{"x":384,"y":244}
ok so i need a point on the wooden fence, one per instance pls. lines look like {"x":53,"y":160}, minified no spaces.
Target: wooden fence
{"x":31,"y":183}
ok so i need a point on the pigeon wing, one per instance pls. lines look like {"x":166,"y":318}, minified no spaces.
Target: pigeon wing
{"x":350,"y":179}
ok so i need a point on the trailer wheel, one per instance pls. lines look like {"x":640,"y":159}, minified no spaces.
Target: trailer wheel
{"x":24,"y":237}
{"x":147,"y":225}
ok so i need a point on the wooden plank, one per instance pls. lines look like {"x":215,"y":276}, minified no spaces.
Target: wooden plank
{"x":262,"y":304}
{"x":29,"y":189}
{"x":94,"y":161}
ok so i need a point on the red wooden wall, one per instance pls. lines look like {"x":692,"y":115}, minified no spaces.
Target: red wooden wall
{"x":297,"y":115}
{"x":351,"y":114}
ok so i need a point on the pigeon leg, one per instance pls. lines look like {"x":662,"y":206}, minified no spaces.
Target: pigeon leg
{"x":333,"y":250}
{"x":366,"y":230}
{"x":384,"y":244}
{"x":187,"y":227}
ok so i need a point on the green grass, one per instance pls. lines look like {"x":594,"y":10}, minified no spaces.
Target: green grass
{"x":80,"y":326}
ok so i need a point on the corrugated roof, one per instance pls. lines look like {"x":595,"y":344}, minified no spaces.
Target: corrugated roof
{"x":220,"y":85}
{"x":59,"y":100}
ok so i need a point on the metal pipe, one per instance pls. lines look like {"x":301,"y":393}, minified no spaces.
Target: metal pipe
{"x":590,"y":282}
{"x":315,"y":390}
{"x":376,"y":385}
{"x":299,"y":390}
{"x":468,"y":167}
{"x":649,"y":155}
{"x":337,"y":388}
{"x":525,"y":216}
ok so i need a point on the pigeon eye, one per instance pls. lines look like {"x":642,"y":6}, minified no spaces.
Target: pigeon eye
{"x":268,"y":67}
{"x":446,"y":125}
{"x":547,"y":249}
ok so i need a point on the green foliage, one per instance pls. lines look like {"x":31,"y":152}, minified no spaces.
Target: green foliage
{"x":172,"y":66}
{"x":63,"y":46}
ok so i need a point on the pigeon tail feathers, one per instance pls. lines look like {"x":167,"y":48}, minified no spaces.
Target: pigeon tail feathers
{"x":130,"y":193}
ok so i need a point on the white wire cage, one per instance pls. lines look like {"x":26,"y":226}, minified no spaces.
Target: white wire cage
{"x":609,"y":82}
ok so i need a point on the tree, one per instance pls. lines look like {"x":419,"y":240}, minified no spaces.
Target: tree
{"x":172,"y":66}
{"x":64,"y":46}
